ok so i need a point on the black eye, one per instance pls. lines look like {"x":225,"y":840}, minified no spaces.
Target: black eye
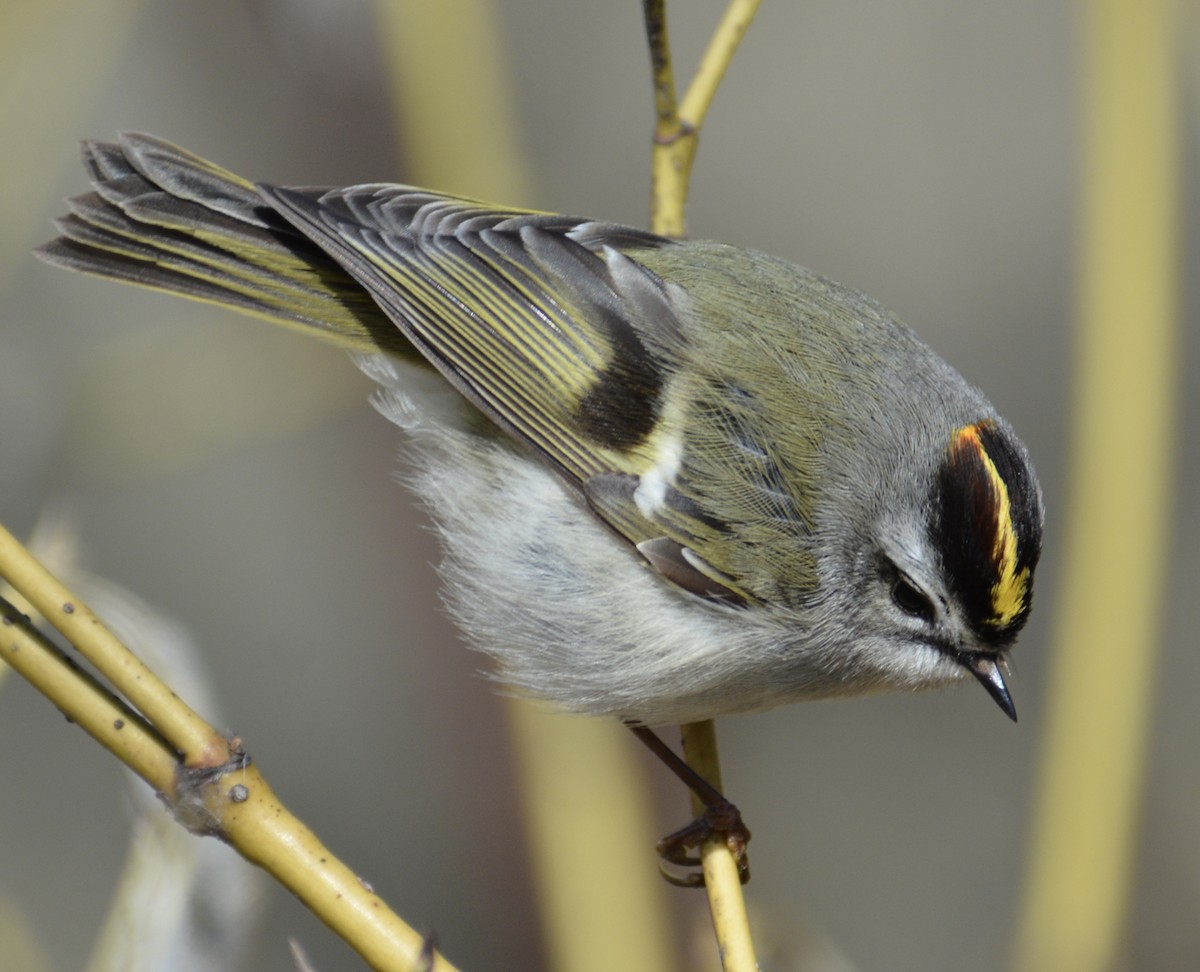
{"x":911,"y":600}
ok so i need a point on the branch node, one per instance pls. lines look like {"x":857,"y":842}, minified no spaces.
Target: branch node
{"x":682,"y":129}
{"x":199,"y":800}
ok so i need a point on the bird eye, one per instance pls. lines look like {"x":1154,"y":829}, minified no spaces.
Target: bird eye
{"x":912,"y":601}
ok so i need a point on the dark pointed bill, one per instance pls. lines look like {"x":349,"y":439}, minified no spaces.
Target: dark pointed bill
{"x":986,"y":668}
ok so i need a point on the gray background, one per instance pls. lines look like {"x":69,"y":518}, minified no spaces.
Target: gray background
{"x":922,"y":150}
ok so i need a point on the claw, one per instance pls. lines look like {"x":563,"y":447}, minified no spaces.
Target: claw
{"x":721,"y":819}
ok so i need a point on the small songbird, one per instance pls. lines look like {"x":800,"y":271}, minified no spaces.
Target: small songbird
{"x":672,"y":479}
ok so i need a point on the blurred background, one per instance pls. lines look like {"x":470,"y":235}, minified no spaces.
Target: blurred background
{"x":235,"y":477}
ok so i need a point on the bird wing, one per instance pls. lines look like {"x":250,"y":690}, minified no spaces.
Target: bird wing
{"x":551,"y":326}
{"x":554,"y":333}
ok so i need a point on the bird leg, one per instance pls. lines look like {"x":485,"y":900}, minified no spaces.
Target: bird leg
{"x":720,"y":818}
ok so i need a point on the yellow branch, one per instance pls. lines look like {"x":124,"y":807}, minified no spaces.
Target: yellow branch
{"x":219,"y":793}
{"x":666,"y":108}
{"x":677,"y":127}
{"x":602,"y":904}
{"x":721,"y":878}
{"x":179,"y":725}
{"x":85,"y":701}
{"x":1125,"y":440}
{"x":716,"y":60}
{"x":676,"y":136}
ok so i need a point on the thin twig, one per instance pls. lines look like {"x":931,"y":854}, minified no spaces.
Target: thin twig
{"x":666,"y":109}
{"x":722,"y":881}
{"x":84,"y":701}
{"x":715,"y":61}
{"x":677,"y":125}
{"x":145,"y":691}
{"x":228,"y":798}
{"x":676,"y":135}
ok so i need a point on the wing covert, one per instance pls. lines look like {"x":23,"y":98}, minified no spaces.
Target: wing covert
{"x":567,"y":345}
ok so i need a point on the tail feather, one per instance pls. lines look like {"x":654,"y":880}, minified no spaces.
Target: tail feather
{"x":165,"y":219}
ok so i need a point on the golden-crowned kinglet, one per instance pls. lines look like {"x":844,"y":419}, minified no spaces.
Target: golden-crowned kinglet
{"x":673,"y":479}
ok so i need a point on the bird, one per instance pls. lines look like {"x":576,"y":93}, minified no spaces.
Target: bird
{"x":673,"y":479}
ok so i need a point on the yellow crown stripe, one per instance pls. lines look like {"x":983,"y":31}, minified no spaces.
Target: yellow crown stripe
{"x":1012,"y":585}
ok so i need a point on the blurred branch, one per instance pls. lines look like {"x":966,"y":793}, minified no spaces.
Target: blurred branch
{"x":677,"y":125}
{"x":583,"y":795}
{"x":460,"y":132}
{"x":676,"y":135}
{"x":1126,"y":437}
{"x":215,"y":791}
{"x":89,"y":39}
{"x":21,"y":951}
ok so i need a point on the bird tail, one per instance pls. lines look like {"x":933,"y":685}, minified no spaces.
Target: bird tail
{"x":168,"y":220}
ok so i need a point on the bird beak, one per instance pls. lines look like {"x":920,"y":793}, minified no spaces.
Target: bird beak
{"x":986,"y":668}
